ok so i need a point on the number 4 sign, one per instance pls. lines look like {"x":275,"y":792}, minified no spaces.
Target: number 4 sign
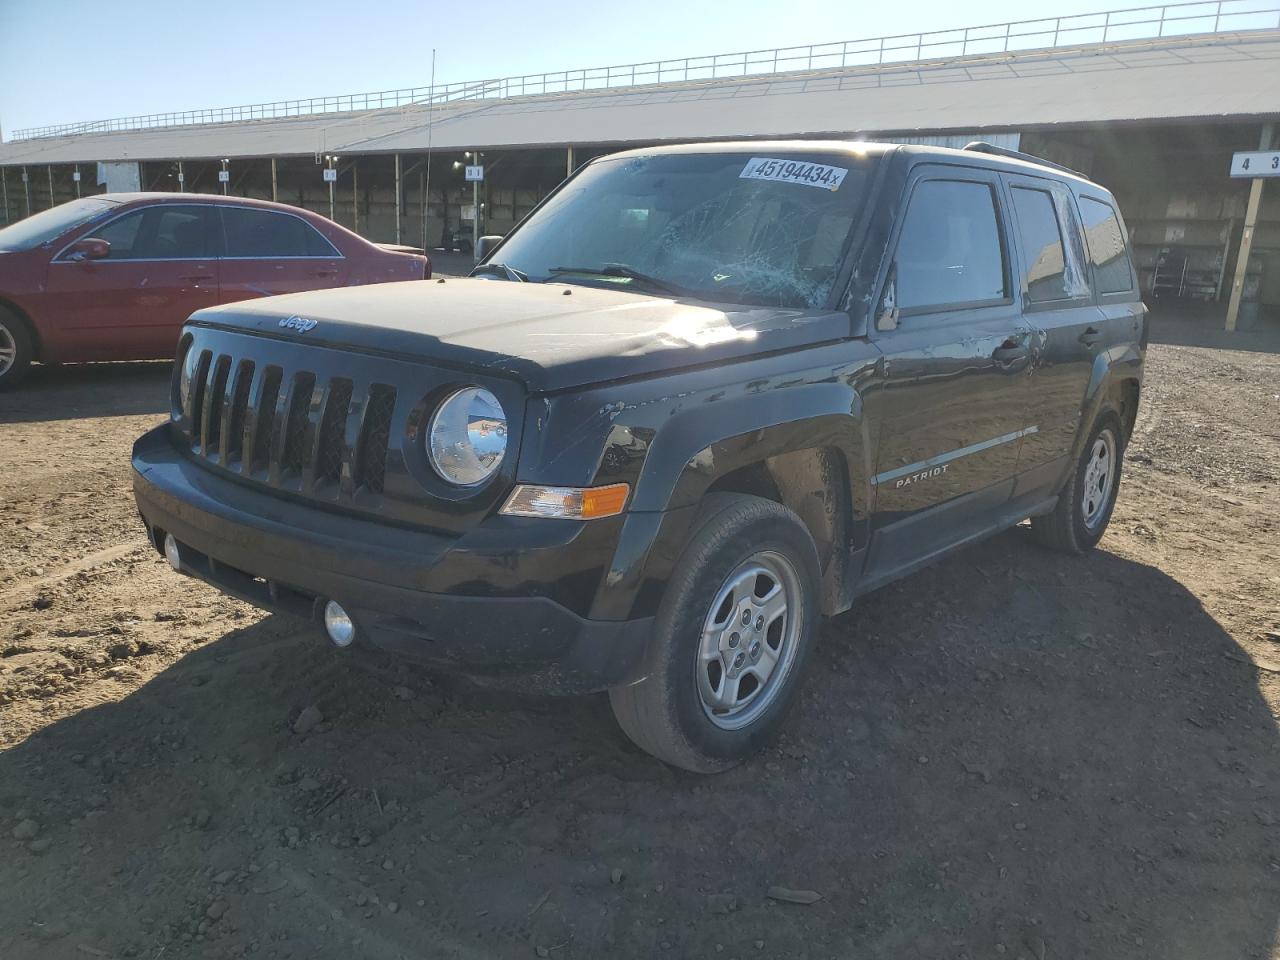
{"x":1256,"y":163}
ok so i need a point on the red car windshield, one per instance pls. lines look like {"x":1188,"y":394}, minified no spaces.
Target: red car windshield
{"x":50,"y":224}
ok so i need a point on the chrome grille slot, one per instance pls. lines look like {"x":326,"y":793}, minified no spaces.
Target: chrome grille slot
{"x":297,"y":424}
{"x":233,"y":421}
{"x":333,"y":428}
{"x":214,"y":405}
{"x":371,"y":463}
{"x":196,"y":411}
{"x":263,"y":426}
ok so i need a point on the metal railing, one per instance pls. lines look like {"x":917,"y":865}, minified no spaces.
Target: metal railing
{"x":1135,"y":23}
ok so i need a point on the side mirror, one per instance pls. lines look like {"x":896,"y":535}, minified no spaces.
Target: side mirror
{"x":90,"y":248}
{"x":486,"y":245}
{"x":887,"y":308}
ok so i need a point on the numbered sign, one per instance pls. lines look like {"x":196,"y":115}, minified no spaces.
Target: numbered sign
{"x":75,"y":175}
{"x":182,"y":177}
{"x":330,"y":175}
{"x":224,"y":176}
{"x":1256,"y":163}
{"x":475,"y":172}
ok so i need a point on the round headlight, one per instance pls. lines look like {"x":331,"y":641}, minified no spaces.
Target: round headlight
{"x":468,"y":436}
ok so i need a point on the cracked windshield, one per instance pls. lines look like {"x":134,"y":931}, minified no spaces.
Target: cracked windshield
{"x":724,"y":227}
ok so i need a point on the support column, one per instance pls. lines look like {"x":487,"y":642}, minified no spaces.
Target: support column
{"x":50,"y":168}
{"x":4,"y":192}
{"x":1246,"y":239}
{"x":26,"y":188}
{"x":332,"y":184}
{"x":397,"y":198}
{"x":355,"y":197}
{"x":227,"y":182}
{"x":475,"y":215}
{"x":182,"y":179}
{"x":423,"y":198}
{"x":568,"y":166}
{"x":275,"y":182}
{"x":76,"y":177}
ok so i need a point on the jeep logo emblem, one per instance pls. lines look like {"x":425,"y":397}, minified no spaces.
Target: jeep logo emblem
{"x":301,"y":324}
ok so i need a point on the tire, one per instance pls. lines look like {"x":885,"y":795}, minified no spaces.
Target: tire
{"x":15,"y":349}
{"x":741,"y":550}
{"x":1077,"y":523}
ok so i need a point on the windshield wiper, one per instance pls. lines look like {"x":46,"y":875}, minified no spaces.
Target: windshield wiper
{"x":620,"y":270}
{"x":504,"y":271}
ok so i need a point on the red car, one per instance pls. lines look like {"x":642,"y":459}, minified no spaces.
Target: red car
{"x":114,"y":277}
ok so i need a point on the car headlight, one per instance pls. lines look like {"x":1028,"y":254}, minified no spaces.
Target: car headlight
{"x":468,"y":436}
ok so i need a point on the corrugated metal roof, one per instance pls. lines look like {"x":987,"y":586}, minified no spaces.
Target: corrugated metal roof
{"x":1215,"y":76}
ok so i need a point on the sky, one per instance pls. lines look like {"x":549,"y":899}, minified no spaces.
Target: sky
{"x":63,"y":61}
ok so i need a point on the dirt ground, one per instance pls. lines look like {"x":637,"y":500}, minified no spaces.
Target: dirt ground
{"x":1014,"y":754}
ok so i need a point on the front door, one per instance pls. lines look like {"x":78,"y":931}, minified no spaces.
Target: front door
{"x":955,"y":391}
{"x":132,"y":305}
{"x":267,"y":252}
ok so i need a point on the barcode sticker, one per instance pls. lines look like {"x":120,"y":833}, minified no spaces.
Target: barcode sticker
{"x":794,"y":171}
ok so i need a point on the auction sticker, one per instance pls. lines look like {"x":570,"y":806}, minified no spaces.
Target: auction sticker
{"x":794,"y":171}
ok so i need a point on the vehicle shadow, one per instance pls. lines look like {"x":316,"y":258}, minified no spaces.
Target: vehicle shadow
{"x":1012,"y":754}
{"x":88,"y":390}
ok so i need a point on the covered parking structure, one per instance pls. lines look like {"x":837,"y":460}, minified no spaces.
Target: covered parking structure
{"x":1150,"y":102}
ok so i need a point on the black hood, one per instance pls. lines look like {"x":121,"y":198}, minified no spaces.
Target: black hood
{"x":550,"y":336}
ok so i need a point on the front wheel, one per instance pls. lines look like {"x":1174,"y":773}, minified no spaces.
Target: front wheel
{"x":15,"y":349}
{"x":731,"y":638}
{"x":1085,"y":505}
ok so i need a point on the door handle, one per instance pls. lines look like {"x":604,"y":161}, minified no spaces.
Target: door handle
{"x":200,"y":276}
{"x":324,"y":273}
{"x":1090,"y":337}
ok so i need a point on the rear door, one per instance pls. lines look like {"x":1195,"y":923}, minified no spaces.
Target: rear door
{"x":267,"y":252}
{"x":1114,"y":279}
{"x":956,"y":387}
{"x":133,"y":303}
{"x":1067,"y":329}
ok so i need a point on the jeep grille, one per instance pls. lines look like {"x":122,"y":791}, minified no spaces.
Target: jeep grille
{"x":322,"y":424}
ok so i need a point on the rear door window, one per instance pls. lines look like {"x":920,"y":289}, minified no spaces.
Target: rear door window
{"x":1053,"y":270}
{"x":264,"y":234}
{"x":950,"y":252}
{"x":1111,"y":269}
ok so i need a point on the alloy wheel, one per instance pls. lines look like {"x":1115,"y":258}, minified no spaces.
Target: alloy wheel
{"x":749,"y":640}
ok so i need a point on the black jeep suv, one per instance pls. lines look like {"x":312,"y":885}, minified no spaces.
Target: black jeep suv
{"x":700,"y":397}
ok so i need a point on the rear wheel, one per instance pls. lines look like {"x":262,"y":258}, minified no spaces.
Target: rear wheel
{"x":1085,"y":505}
{"x":730,"y":640}
{"x":15,"y":349}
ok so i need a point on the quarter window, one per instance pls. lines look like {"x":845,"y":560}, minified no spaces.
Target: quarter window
{"x":1106,"y":247}
{"x":950,"y":252}
{"x":1046,"y":258}
{"x":253,"y":234}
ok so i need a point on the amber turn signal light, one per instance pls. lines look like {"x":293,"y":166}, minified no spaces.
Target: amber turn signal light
{"x":567,"y":503}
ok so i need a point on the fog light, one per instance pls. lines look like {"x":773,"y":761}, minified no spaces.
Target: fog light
{"x":338,"y":625}
{"x":171,"y":552}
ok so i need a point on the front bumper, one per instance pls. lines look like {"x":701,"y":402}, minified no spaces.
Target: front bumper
{"x":422,"y":595}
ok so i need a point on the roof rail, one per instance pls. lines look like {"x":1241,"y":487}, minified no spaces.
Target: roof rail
{"x":981,"y":146}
